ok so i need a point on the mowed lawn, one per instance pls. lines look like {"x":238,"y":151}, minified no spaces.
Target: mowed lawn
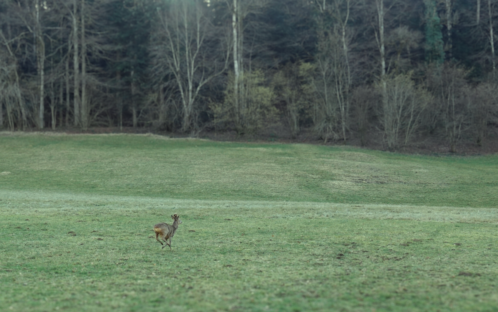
{"x":266,"y":227}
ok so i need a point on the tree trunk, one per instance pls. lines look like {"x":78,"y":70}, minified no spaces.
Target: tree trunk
{"x":382,"y":50}
{"x":491,"y":37}
{"x":240,"y":58}
{"x":61,"y":101}
{"x":22,"y":115}
{"x":453,"y":135}
{"x":380,"y":12}
{"x":53,"y":113}
{"x":162,"y":108}
{"x":478,"y":12}
{"x":10,"y":118}
{"x":186,"y":118}
{"x":448,"y":28}
{"x":23,"y":119}
{"x":84,"y":102}
{"x":41,"y":71}
{"x":190,"y":61}
{"x":76,"y":91}
{"x":345,"y":99}
{"x":68,"y":101}
{"x":120,"y":102}
{"x":53,"y":106}
{"x":238,"y":67}
{"x":118,"y":94}
{"x":40,"y":54}
{"x":61,"y":113}
{"x":1,"y":115}
{"x":133,"y":104}
{"x":236,"y":73}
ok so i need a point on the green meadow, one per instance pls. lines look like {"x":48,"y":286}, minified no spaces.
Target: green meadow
{"x":266,"y":227}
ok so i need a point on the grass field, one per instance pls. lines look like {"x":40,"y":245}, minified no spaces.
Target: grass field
{"x":265,"y":227}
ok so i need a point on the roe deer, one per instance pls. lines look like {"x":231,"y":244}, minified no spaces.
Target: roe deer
{"x":167,"y":231}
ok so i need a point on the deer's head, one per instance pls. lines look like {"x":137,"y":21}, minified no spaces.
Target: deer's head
{"x":176,"y":218}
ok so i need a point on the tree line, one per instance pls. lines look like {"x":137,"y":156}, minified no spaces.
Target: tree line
{"x":341,"y":69}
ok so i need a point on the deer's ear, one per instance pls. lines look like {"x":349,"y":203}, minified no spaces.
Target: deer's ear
{"x":172,"y":217}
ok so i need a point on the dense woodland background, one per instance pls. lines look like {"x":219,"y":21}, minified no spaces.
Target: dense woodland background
{"x":393,"y":71}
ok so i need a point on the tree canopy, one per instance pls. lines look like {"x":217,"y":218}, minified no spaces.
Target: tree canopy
{"x":338,"y":69}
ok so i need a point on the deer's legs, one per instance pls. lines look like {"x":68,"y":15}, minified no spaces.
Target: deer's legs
{"x":167,"y":240}
{"x":157,"y":234}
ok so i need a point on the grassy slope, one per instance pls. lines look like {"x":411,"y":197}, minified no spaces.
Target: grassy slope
{"x":193,"y":169}
{"x":263,"y":227}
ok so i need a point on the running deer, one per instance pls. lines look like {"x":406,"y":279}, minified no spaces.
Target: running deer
{"x":166,"y":231}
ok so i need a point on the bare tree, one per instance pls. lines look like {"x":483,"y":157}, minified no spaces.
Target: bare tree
{"x":403,"y":40}
{"x":448,"y":85}
{"x":329,"y":58}
{"x":363,"y":100}
{"x":83,"y":39}
{"x":239,"y":10}
{"x":10,"y":82}
{"x":483,"y":109}
{"x":401,"y":109}
{"x":333,"y":80}
{"x":30,"y":14}
{"x":182,"y":52}
{"x":290,"y":88}
{"x":10,"y":93}
{"x":343,"y":80}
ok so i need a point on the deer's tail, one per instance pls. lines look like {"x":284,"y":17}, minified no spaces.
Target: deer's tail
{"x":158,"y":232}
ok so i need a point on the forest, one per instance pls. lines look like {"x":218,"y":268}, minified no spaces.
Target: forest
{"x":395,"y":71}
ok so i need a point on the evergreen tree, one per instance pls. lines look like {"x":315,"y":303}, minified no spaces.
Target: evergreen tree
{"x":434,"y":50}
{"x":130,"y":21}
